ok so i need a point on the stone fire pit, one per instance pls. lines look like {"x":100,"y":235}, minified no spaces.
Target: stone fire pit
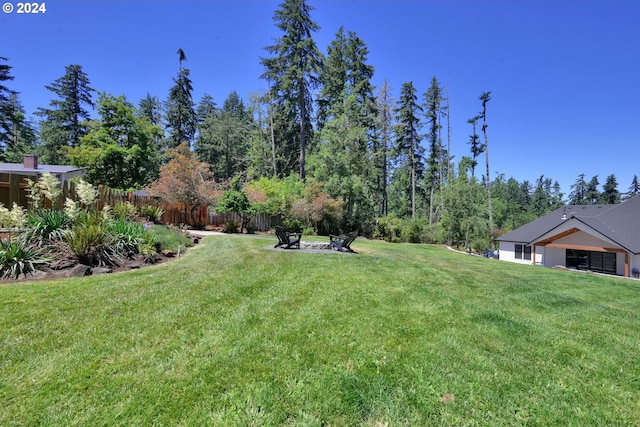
{"x":314,"y":245}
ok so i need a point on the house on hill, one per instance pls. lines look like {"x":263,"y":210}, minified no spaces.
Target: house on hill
{"x":599,"y":238}
{"x":13,"y":186}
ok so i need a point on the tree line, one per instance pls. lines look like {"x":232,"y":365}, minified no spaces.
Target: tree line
{"x":361,"y":160}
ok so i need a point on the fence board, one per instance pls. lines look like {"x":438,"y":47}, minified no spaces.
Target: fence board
{"x":183,"y":214}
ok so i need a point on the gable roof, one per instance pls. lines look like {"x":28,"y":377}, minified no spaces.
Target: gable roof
{"x":620,"y":223}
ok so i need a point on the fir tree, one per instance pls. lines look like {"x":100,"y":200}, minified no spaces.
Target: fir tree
{"x":206,"y":108}
{"x":433,"y":99}
{"x":579,"y":191}
{"x":62,"y":124}
{"x":408,"y":137}
{"x":485,"y":98}
{"x":22,"y":137}
{"x":223,"y":139}
{"x":477,"y":147}
{"x":385,"y":109}
{"x":180,"y":113}
{"x":634,"y":188}
{"x":150,"y":108}
{"x":7,"y":118}
{"x":292,"y":74}
{"x":610,"y":194}
{"x":592,"y":194}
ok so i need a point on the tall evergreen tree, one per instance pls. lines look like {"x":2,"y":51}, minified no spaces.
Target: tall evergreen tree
{"x":477,"y":147}
{"x":347,"y":122}
{"x":578,"y":195}
{"x":408,"y":137}
{"x":150,"y":108}
{"x":485,"y":98}
{"x":592,"y":195}
{"x":333,"y":79}
{"x":433,"y":99}
{"x":62,"y":124}
{"x":17,"y":134}
{"x":7,"y":118}
{"x":385,"y":108}
{"x":634,"y":188}
{"x":260,"y":156}
{"x":180,"y":113}
{"x":223,"y":139}
{"x":292,"y":74}
{"x":610,"y":194}
{"x":22,"y":137}
{"x":206,"y":107}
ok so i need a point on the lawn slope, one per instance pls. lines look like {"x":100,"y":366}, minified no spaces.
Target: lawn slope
{"x":235,"y":333}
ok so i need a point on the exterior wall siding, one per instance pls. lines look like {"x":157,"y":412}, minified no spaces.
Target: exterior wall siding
{"x":508,"y":253}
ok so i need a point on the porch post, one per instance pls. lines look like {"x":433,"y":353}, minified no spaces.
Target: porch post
{"x":626,"y":264}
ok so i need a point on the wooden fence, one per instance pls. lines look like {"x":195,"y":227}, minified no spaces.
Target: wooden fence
{"x":196,"y":216}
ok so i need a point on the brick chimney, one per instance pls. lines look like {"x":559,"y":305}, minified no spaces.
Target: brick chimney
{"x":31,"y":161}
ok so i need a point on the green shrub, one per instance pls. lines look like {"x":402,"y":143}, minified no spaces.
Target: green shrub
{"x":418,"y":230}
{"x":148,"y":251}
{"x":91,"y":243}
{"x":170,"y":238}
{"x":292,"y":224}
{"x":45,"y":225}
{"x":125,"y":210}
{"x":127,"y":236}
{"x":19,"y":258}
{"x":231,"y":226}
{"x":388,"y":228}
{"x":152,"y":213}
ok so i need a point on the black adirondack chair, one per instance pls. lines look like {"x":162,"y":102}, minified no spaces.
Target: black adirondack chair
{"x":343,"y":243}
{"x":287,"y":239}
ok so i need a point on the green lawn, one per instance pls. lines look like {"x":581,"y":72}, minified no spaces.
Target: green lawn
{"x":233,"y":333}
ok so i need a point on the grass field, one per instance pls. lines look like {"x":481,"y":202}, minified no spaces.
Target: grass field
{"x":234,"y":333}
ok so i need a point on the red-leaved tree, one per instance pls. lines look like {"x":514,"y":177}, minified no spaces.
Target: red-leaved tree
{"x":186,"y":180}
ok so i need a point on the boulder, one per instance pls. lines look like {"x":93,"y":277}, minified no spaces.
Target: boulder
{"x":168,"y":253}
{"x":79,"y":270}
{"x":101,"y":270}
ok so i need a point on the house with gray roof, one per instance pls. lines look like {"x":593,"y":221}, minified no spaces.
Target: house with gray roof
{"x":13,"y":184}
{"x":599,"y":238}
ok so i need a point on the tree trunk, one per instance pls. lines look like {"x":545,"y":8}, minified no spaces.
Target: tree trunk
{"x":303,"y":134}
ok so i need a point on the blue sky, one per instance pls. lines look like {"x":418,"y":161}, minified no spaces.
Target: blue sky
{"x":563,"y":74}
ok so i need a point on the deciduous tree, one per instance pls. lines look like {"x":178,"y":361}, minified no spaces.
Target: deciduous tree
{"x":120,"y":150}
{"x":184,"y":179}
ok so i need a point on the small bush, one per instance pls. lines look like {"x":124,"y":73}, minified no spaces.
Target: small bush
{"x":18,"y":258}
{"x":127,"y":236}
{"x":149,"y":252}
{"x":152,"y":213}
{"x":231,"y":226}
{"x":292,"y":224}
{"x":91,"y":243}
{"x":388,"y":228}
{"x":45,"y":225}
{"x":169,"y":237}
{"x":125,"y":210}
